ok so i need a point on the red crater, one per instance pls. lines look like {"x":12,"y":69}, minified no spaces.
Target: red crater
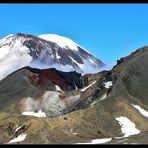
{"x":42,"y":77}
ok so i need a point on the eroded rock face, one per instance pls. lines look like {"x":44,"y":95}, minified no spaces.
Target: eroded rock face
{"x":52,"y":91}
{"x":65,"y":80}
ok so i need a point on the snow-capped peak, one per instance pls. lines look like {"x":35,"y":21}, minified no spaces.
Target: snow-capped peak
{"x":5,"y":38}
{"x":17,"y":51}
{"x":9,"y":35}
{"x":60,"y":40}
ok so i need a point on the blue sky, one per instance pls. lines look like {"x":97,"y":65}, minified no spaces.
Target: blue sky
{"x":108,"y":31}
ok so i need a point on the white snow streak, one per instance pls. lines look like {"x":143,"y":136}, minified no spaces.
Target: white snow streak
{"x":71,"y":130}
{"x":80,"y":65}
{"x":76,"y":88}
{"x":142,"y":111}
{"x":108,"y":84}
{"x":98,"y":141}
{"x":58,"y":88}
{"x":127,"y":126}
{"x":103,"y":140}
{"x":18,"y":128}
{"x":19,"y":138}
{"x":39,"y":114}
{"x":83,"y":89}
{"x":57,"y":56}
{"x":93,"y":103}
{"x":104,"y":96}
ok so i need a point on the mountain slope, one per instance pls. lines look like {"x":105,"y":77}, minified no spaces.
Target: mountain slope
{"x":49,"y":90}
{"x":79,"y":108}
{"x":19,"y":50}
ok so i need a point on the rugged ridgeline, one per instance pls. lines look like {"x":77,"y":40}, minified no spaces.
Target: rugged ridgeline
{"x":77,"y":108}
{"x":45,"y":51}
{"x":49,"y":90}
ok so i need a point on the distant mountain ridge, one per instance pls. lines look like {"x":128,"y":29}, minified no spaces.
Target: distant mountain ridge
{"x":45,"y":51}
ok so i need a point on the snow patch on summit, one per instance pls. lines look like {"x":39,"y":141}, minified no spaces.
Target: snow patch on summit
{"x":83,"y":89}
{"x":59,"y":40}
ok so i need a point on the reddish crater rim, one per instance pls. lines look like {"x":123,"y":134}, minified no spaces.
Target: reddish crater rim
{"x":44,"y":75}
